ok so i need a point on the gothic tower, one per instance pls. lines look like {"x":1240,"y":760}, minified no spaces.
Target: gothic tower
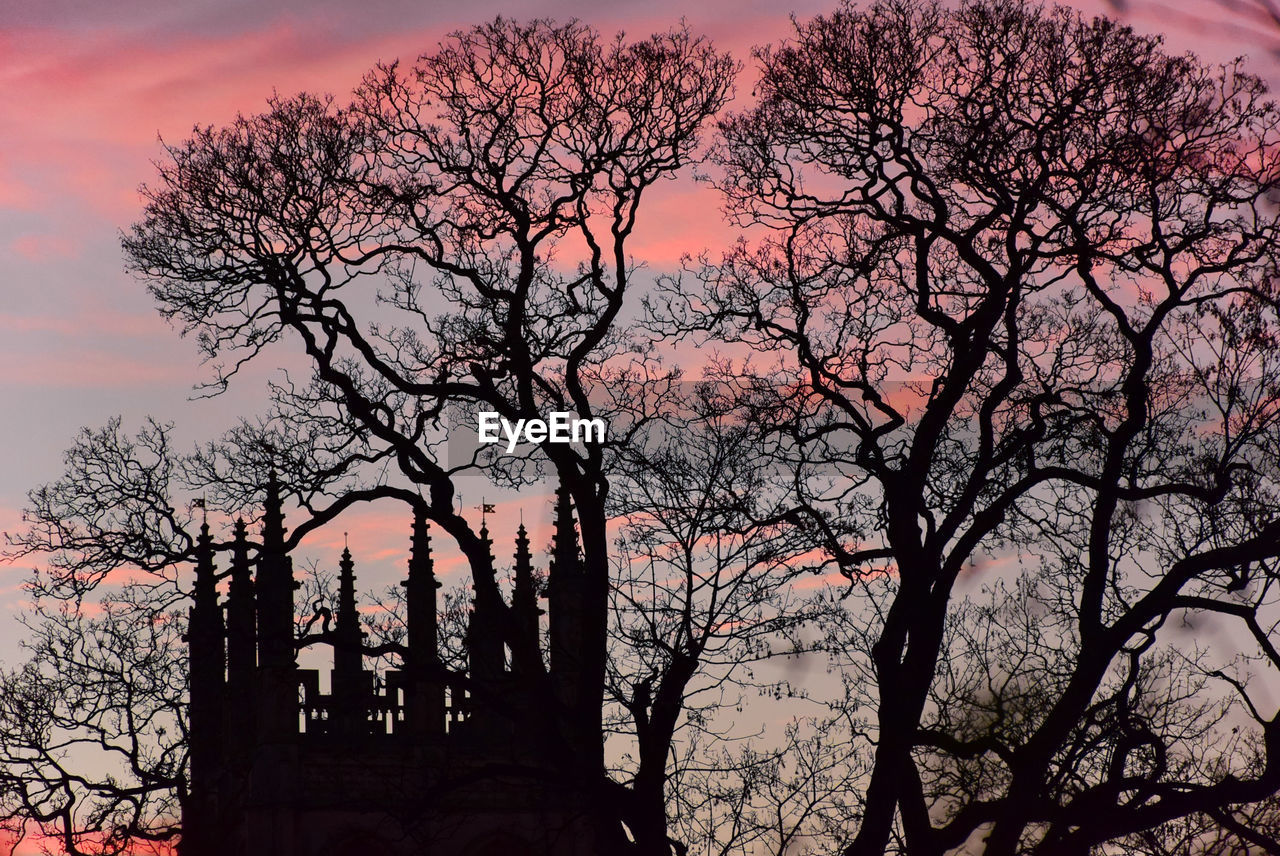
{"x":399,"y":762}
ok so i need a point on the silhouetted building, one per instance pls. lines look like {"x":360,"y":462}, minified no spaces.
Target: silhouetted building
{"x":416,"y":762}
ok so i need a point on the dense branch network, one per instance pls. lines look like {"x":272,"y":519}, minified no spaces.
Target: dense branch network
{"x":1007,"y":437}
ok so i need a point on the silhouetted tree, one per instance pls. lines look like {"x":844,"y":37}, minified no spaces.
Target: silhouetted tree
{"x":93,"y":726}
{"x":1017,"y":274}
{"x":454,"y":239}
{"x":703,"y":594}
{"x":93,"y":736}
{"x":1017,"y":270}
{"x":491,"y":191}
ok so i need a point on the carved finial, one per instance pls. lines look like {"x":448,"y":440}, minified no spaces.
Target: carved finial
{"x":421,"y":565}
{"x":522,"y":545}
{"x":206,"y":582}
{"x":348,"y":620}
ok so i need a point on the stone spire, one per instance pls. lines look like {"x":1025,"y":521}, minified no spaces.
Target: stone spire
{"x":241,"y":633}
{"x":566,"y":555}
{"x":242,"y":649}
{"x":347,"y":633}
{"x":526,"y":655}
{"x":206,"y":587}
{"x":350,"y":688}
{"x":565,"y":597}
{"x":273,"y":512}
{"x":484,"y":537}
{"x":425,"y":700}
{"x":277,"y":665}
{"x":205,"y":641}
{"x":420,"y":593}
{"x":274,"y":587}
{"x":204,"y":635}
{"x":484,"y":634}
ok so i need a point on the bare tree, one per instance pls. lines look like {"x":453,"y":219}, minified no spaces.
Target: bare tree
{"x":453,"y":239}
{"x":703,"y":594}
{"x":1016,"y":274}
{"x":1017,"y":271}
{"x":93,"y":726}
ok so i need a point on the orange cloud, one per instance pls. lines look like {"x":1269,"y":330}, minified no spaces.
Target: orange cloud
{"x":38,"y":845}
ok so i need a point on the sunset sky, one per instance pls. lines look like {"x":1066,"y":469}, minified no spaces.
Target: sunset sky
{"x":89,"y":87}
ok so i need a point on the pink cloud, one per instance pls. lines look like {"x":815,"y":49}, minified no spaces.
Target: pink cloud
{"x":90,"y":368}
{"x":15,"y":194}
{"x":83,"y":108}
{"x":34,"y":247}
{"x":37,"y":324}
{"x":28,"y":847}
{"x":90,"y":316}
{"x":679,"y":219}
{"x":12,"y":575}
